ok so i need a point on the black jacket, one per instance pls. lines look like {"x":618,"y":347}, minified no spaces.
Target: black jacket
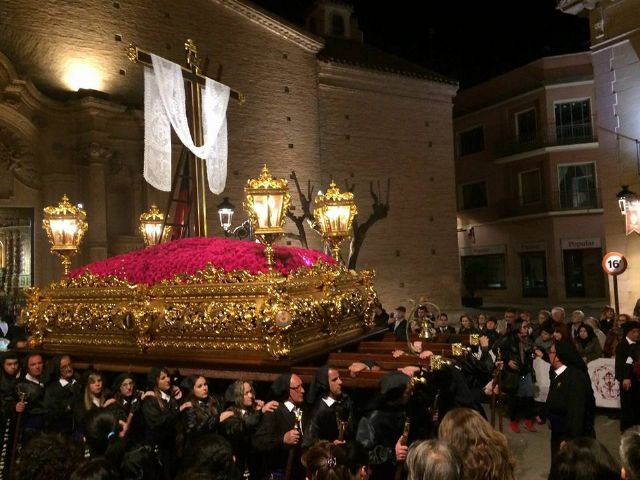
{"x":269,"y":439}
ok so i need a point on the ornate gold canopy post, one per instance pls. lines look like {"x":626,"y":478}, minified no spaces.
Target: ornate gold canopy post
{"x":267,"y":201}
{"x":334,"y":211}
{"x":151,"y":227}
{"x":65,"y":226}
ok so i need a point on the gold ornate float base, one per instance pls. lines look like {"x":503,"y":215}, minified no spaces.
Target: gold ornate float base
{"x":210,"y":318}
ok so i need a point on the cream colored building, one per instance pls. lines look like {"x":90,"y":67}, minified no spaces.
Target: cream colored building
{"x":71,"y":122}
{"x":530,"y":218}
{"x":615,"y":51}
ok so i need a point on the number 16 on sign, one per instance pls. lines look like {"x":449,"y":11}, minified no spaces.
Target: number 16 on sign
{"x":614,"y":264}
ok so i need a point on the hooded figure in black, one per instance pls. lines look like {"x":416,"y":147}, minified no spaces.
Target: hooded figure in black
{"x":570,"y":405}
{"x":277,"y":434}
{"x":61,"y":393}
{"x":381,"y":428}
{"x":329,"y":407}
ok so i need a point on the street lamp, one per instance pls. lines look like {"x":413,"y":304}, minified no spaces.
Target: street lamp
{"x":151,"y":223}
{"x":267,"y":201}
{"x":334,"y":212}
{"x":65,"y":226}
{"x":226,"y":209}
{"x":629,"y":204}
{"x":626,"y":198}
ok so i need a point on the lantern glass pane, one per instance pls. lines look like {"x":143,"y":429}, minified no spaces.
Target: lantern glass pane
{"x":153,"y":232}
{"x":226,"y":215}
{"x":64,"y":231}
{"x":338,"y":218}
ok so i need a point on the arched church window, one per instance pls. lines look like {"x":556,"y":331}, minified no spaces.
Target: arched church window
{"x":337,"y":25}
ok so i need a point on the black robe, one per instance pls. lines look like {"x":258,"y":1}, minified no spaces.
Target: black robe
{"x":378,"y":432}
{"x":59,"y":402}
{"x":626,"y":354}
{"x":570,"y":406}
{"x":323,"y":421}
{"x":200,"y":422}
{"x":35,"y":415}
{"x":160,"y":418}
{"x":239,"y":429}
{"x":269,"y":441}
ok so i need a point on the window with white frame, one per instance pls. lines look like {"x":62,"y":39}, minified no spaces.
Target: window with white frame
{"x":577,"y":185}
{"x":573,"y":121}
{"x":530,"y":185}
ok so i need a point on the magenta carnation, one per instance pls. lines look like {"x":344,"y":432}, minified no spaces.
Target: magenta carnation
{"x":189,"y":255}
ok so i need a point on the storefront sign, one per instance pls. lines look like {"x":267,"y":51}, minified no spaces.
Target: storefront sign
{"x":532,"y":247}
{"x":580,"y":243}
{"x":484,"y":250}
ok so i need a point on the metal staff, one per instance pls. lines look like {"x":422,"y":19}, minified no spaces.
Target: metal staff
{"x":497,"y":377}
{"x":16,"y":435}
{"x":293,"y":449}
{"x":403,"y":441}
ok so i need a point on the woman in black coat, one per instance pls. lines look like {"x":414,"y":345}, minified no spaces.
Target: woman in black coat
{"x":160,"y":412}
{"x":200,"y":412}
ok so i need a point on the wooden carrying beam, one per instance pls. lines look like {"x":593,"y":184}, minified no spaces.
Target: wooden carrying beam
{"x":138,"y":55}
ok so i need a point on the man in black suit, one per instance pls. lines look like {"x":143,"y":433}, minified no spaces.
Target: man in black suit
{"x":399,"y":324}
{"x":570,"y":405}
{"x":627,"y":353}
{"x":280,"y":432}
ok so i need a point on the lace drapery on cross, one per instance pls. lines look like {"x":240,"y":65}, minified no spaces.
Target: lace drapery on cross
{"x":164,"y":107}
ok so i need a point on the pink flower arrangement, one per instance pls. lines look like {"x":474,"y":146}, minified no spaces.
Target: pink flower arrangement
{"x":190,"y":255}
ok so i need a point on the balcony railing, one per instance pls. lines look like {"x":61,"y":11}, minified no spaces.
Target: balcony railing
{"x":558,"y":200}
{"x":550,"y":136}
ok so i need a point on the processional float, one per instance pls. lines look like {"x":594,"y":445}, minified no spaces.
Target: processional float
{"x":210,"y":302}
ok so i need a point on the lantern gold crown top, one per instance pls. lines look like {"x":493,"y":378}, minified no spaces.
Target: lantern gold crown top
{"x":334,"y":195}
{"x":65,"y":208}
{"x":266,"y":180}
{"x":154,"y":214}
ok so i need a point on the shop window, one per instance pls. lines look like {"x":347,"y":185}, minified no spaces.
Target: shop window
{"x":484,"y":272}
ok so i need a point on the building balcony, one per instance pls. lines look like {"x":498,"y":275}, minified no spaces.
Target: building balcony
{"x":549,"y":136}
{"x":557,"y":201}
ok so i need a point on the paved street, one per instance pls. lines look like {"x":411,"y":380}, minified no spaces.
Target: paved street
{"x":532,"y":449}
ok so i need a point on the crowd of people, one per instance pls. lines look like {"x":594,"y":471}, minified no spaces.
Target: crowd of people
{"x":422,"y":423}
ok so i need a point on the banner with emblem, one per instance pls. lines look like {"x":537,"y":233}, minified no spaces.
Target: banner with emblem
{"x":606,"y":388}
{"x":632,"y":217}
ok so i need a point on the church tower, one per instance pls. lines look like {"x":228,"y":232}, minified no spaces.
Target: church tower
{"x":333,"y":18}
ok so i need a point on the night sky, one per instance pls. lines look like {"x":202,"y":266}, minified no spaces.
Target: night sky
{"x":466,"y":40}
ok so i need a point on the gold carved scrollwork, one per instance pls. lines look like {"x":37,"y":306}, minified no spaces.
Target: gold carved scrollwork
{"x":207,"y":311}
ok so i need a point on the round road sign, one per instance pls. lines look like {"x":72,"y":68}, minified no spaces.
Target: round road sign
{"x":614,"y":263}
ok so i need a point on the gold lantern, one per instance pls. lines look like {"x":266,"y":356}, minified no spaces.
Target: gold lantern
{"x":151,"y":227}
{"x":334,"y":212}
{"x":65,"y":226}
{"x":267,"y":201}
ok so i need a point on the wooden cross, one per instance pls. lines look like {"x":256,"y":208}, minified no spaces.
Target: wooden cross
{"x":195,"y":78}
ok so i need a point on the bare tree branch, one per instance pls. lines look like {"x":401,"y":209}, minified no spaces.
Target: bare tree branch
{"x":305,"y":204}
{"x":379,"y":211}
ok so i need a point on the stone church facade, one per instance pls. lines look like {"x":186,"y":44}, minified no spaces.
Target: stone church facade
{"x":322,"y":106}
